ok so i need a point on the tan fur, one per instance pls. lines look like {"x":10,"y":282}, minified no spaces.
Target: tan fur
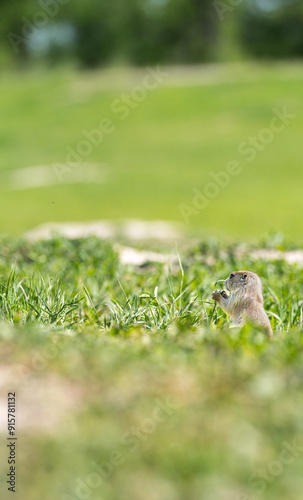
{"x":245,"y":300}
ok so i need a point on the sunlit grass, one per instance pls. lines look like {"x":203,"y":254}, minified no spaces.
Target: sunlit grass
{"x":78,"y":283}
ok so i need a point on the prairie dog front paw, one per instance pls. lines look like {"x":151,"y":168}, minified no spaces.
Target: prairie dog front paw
{"x":218,"y":294}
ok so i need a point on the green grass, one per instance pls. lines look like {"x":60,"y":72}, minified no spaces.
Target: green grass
{"x":167,"y":146}
{"x":133,"y":368}
{"x":78,"y":283}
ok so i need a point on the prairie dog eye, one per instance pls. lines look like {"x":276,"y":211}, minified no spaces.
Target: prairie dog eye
{"x":232,"y":275}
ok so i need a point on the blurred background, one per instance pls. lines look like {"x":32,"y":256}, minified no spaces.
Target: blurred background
{"x":188,"y":111}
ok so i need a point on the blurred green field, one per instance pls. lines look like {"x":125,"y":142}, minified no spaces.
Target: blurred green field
{"x":190,"y":125}
{"x":193,"y":415}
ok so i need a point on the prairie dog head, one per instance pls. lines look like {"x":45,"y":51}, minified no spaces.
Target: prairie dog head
{"x":244,"y":283}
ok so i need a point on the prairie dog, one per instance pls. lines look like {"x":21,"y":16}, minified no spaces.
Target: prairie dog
{"x":244,"y":301}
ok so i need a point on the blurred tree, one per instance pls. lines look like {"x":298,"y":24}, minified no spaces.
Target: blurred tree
{"x":144,"y":31}
{"x":172,"y":31}
{"x":137,"y":31}
{"x":98,"y":32}
{"x":272,"y":29}
{"x":14,"y":30}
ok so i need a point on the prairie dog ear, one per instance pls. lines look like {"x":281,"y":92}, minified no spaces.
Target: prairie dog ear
{"x":243,"y":277}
